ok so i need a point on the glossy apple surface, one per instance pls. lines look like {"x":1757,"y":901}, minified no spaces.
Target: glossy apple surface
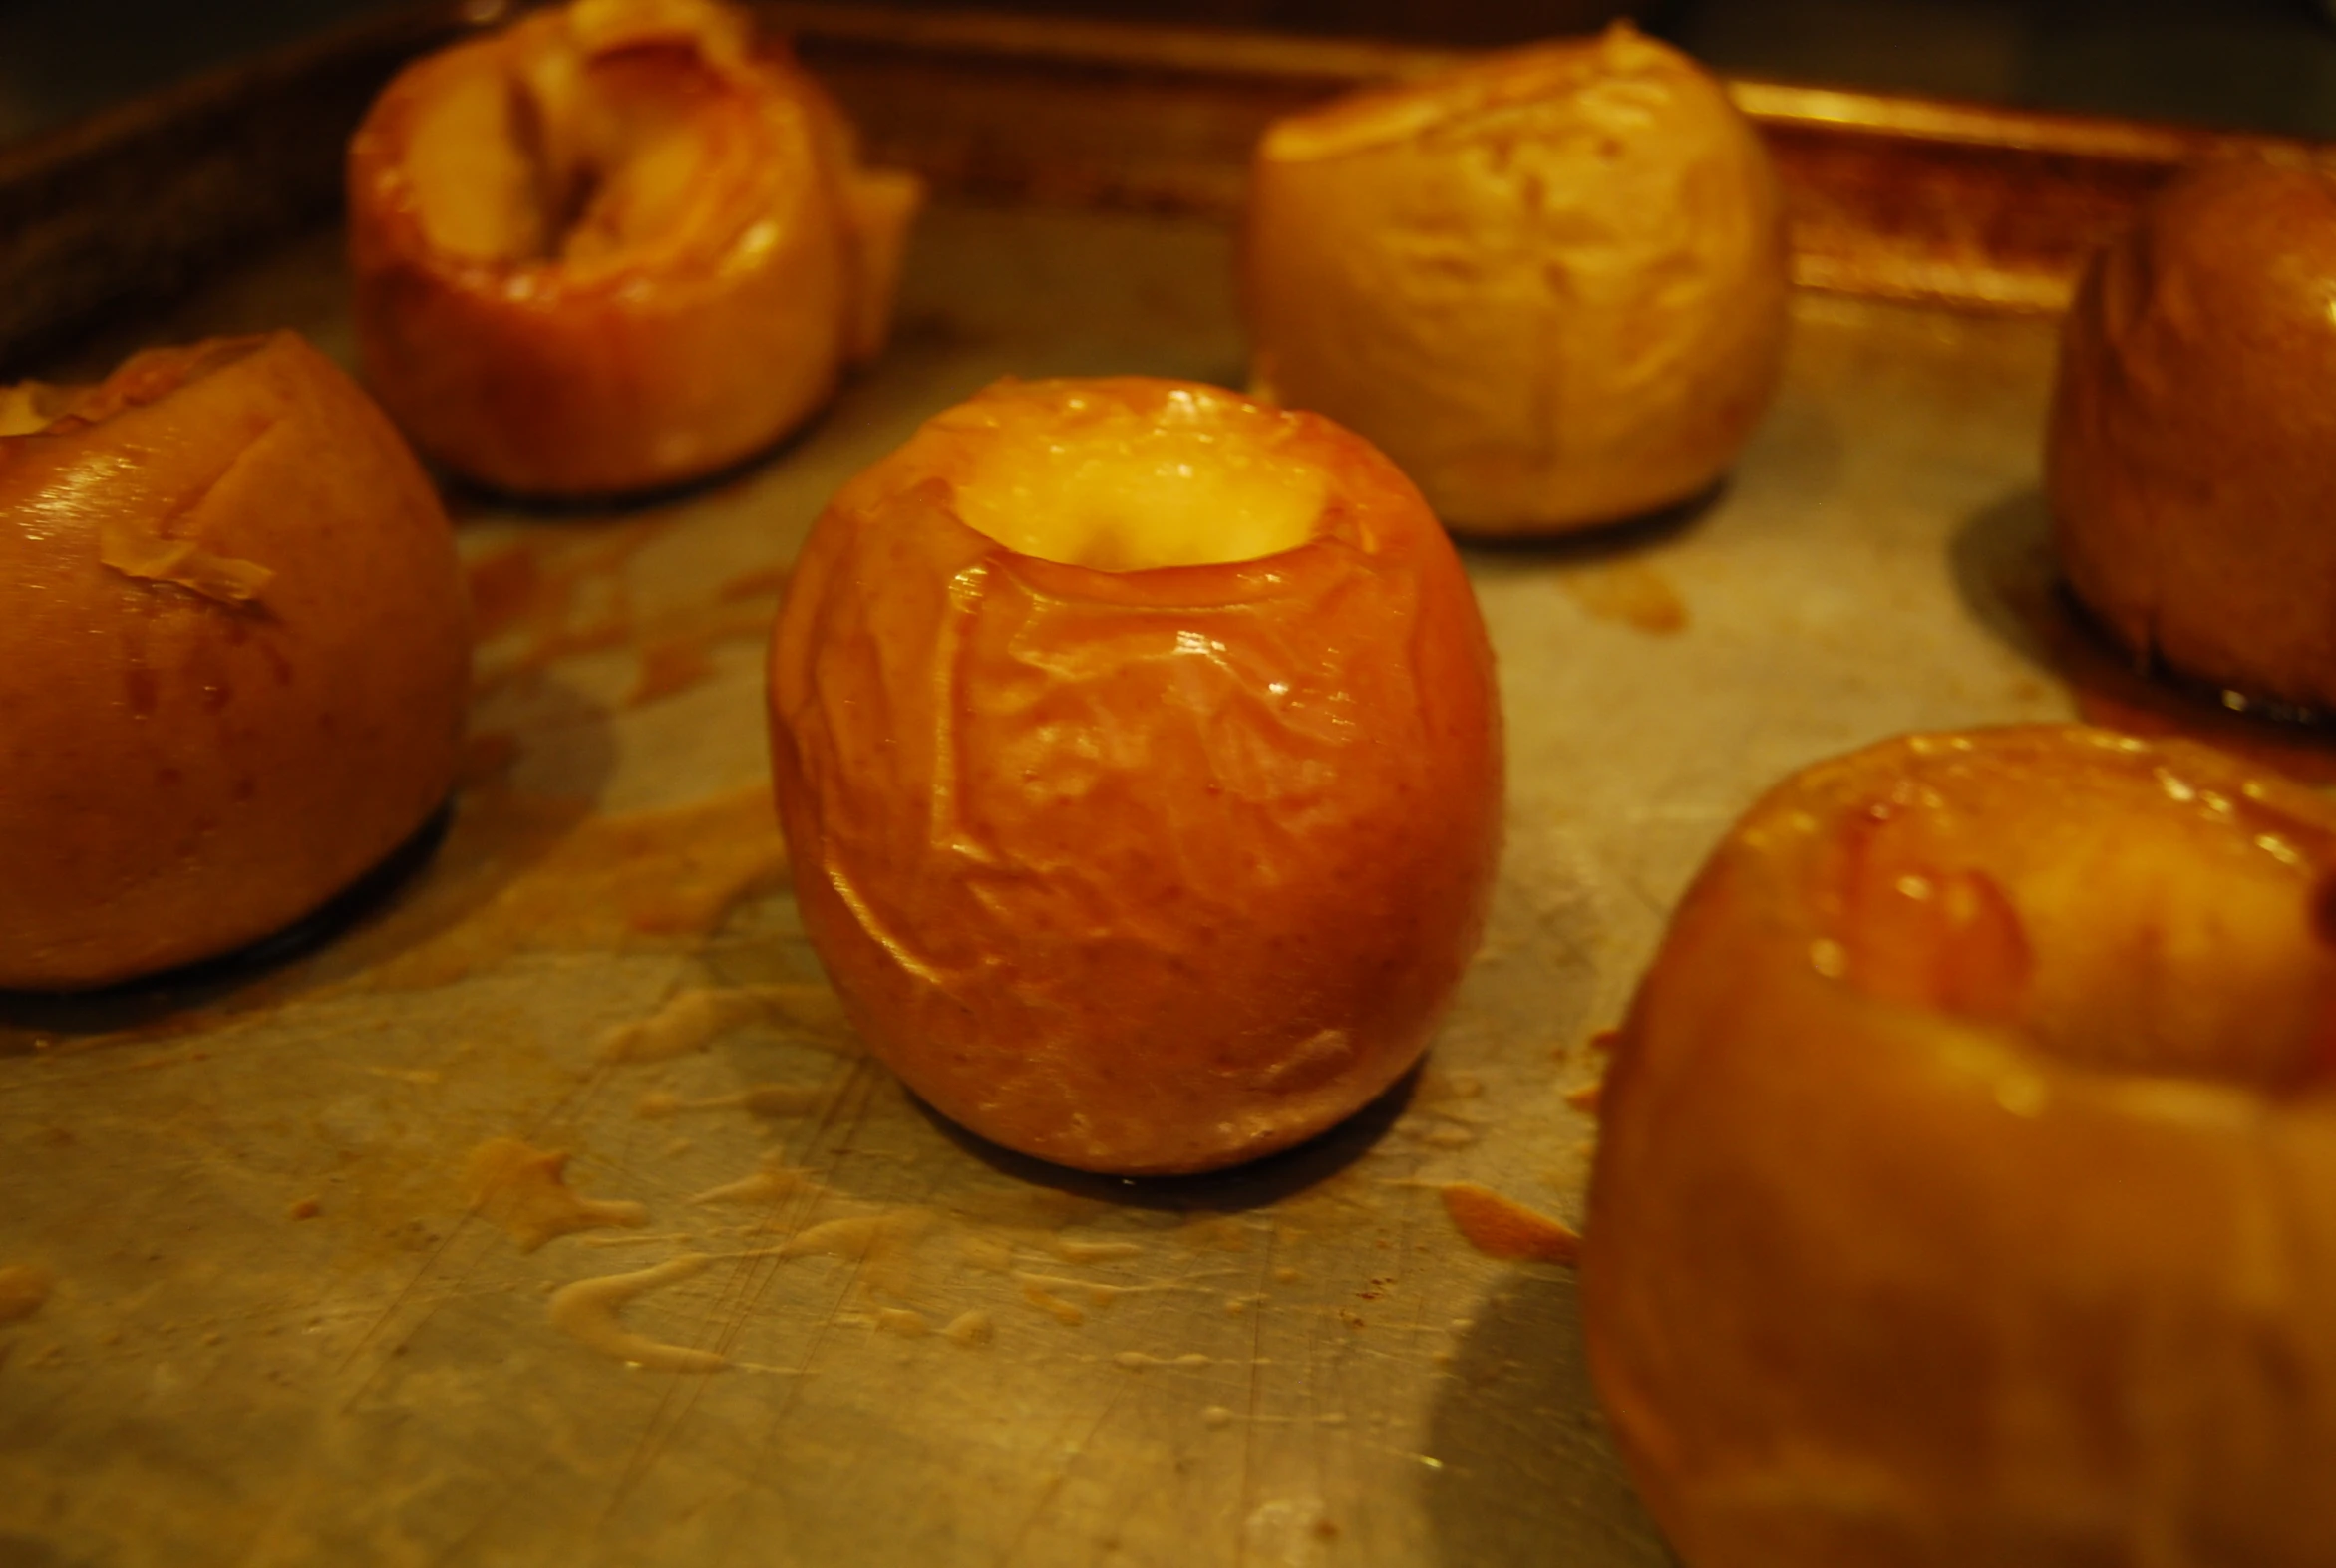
{"x":1550,"y":284}
{"x":1966,"y":1188}
{"x":233,"y":657}
{"x":2187,"y":459}
{"x":1150,"y":829}
{"x":616,"y":245}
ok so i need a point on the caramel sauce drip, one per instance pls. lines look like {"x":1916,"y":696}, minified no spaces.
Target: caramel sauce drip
{"x":24,"y":1289}
{"x":2112,"y":693}
{"x":525,"y":1191}
{"x":535,"y":602}
{"x":1501,"y":1227}
{"x":1628,"y":593}
{"x":530,"y":874}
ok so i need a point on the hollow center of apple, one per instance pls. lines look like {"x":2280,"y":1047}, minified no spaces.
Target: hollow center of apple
{"x":574,"y":161}
{"x":2134,"y":938}
{"x":1118,"y":489}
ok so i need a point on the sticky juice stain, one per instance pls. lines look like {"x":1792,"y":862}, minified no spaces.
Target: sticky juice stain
{"x":587,"y":1312}
{"x":525,"y":1191}
{"x":24,"y":1289}
{"x":1501,"y":1227}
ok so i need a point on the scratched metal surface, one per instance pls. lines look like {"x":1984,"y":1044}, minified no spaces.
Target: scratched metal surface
{"x":1299,"y":1364}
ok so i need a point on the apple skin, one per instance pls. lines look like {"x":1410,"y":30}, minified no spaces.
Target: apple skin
{"x":185,"y":769}
{"x":1148,"y":871}
{"x":2187,"y":454}
{"x":2003,"y":1229}
{"x":676,"y":353}
{"x":1553,"y":284}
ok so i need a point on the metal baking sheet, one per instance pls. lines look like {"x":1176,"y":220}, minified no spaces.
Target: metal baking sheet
{"x":260,"y":1302}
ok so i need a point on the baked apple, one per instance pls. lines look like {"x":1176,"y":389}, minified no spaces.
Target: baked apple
{"x":233,"y":660}
{"x":1966,"y":1186}
{"x":1140,"y":761}
{"x":2188,"y":455}
{"x":1550,"y":284}
{"x":616,"y":245}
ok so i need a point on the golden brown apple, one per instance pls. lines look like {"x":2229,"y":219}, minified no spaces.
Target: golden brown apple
{"x":2188,"y":455}
{"x":1139,"y":760}
{"x":616,"y":245}
{"x":1550,"y":284}
{"x":1967,"y":1190}
{"x":233,"y":659}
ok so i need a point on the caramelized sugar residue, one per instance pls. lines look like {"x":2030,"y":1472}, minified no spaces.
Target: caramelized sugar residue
{"x":775,"y":1180}
{"x":882,"y":1245}
{"x":692,"y":1019}
{"x":525,"y":1191}
{"x":907,"y":1322}
{"x":24,"y":1287}
{"x":586,"y":1312}
{"x":1065,"y":1313}
{"x":672,"y":665}
{"x":549,"y":597}
{"x":2112,"y":693}
{"x":2304,"y":754}
{"x":1630,"y":593}
{"x":969,"y":1328}
{"x":530,"y":875}
{"x":1501,"y":1227}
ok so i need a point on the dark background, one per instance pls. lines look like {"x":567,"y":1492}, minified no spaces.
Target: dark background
{"x":2260,"y":63}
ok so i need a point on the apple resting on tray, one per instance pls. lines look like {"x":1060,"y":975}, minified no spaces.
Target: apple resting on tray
{"x":1139,"y":752}
{"x":1966,"y":1183}
{"x":618,"y":245}
{"x":233,"y":658}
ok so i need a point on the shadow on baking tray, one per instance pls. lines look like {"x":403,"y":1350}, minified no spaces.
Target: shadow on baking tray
{"x":483,"y":840}
{"x":2005,"y":572}
{"x":1258,"y":1184}
{"x":1597,"y":543}
{"x":1528,"y":1474}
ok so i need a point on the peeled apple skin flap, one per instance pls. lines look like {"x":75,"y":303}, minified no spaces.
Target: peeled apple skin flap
{"x":234,"y":659}
{"x":1139,"y":871}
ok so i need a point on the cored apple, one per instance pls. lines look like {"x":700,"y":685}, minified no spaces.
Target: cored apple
{"x":1966,"y":1189}
{"x":2188,"y":458}
{"x":619,"y":244}
{"x":1552,"y":284}
{"x":1140,"y":760}
{"x":233,"y":658}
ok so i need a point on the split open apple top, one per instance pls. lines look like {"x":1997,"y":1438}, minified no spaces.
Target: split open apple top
{"x":1139,"y":760}
{"x":615,"y":246}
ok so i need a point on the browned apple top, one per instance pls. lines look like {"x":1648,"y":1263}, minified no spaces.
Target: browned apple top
{"x":2150,"y":906}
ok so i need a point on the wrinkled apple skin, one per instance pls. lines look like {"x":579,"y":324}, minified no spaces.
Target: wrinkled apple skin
{"x":1889,"y":1264}
{"x":2187,"y":454}
{"x":1140,"y":872}
{"x":1553,"y":284}
{"x":668,"y":360}
{"x":181,"y":774}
